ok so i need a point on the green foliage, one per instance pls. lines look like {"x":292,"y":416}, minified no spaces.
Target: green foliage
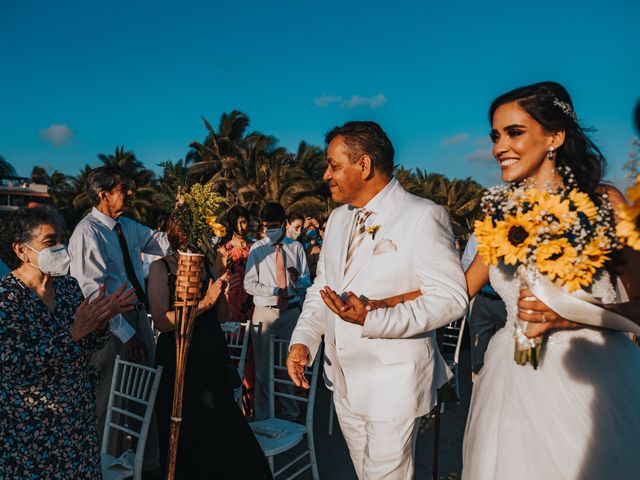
{"x":197,"y":217}
{"x":460,"y":197}
{"x":174,"y":179}
{"x":247,"y":168}
{"x":6,"y":169}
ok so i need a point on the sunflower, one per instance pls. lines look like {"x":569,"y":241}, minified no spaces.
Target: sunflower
{"x":578,"y":277}
{"x":218,"y":229}
{"x":556,"y":258}
{"x":552,"y":211}
{"x":594,"y":254}
{"x":485,"y":232}
{"x":633,"y":194}
{"x":583,"y":204}
{"x":628,"y":226}
{"x":514,"y":236}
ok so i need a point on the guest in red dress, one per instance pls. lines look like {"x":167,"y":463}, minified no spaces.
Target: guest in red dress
{"x":232,"y":257}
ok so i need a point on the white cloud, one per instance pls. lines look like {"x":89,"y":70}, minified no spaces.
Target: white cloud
{"x":58,"y":134}
{"x":455,"y":140}
{"x":482,"y":140}
{"x":359,"y":101}
{"x":355,"y":101}
{"x":326,"y":100}
{"x":480,"y":155}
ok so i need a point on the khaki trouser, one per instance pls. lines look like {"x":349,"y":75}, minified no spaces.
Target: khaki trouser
{"x":104,"y":361}
{"x":280,"y":327}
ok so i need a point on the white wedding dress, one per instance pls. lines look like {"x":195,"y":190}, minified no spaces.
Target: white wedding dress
{"x":576,"y":417}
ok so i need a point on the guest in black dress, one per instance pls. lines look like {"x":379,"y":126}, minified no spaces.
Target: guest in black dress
{"x":216,"y":441}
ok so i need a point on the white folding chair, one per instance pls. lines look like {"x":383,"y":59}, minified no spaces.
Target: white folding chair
{"x":277,"y":435}
{"x":452,"y":342}
{"x":133,"y":393}
{"x":237,"y":336}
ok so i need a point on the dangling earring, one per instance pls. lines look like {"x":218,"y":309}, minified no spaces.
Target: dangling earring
{"x":550,"y":153}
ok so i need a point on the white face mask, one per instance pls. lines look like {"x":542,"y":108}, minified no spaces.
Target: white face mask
{"x":293,"y":234}
{"x":52,"y":261}
{"x":274,"y":234}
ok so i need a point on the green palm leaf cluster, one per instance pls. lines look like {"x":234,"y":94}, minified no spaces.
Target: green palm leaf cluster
{"x":249,"y":168}
{"x":6,"y":169}
{"x":460,"y":197}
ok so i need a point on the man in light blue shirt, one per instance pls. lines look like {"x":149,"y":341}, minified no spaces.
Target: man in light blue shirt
{"x":488,"y":313}
{"x":277,"y":276}
{"x":106,"y":248}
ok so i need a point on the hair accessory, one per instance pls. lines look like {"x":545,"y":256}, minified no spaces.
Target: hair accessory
{"x":566,"y":108}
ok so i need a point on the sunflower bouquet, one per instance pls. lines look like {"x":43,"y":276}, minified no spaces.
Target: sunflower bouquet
{"x":561,"y":235}
{"x":628,"y":225}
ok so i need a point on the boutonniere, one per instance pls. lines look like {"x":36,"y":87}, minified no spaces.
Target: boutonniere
{"x":372,"y":230}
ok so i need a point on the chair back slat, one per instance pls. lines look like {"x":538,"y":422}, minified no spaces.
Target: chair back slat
{"x":128,"y":431}
{"x":133,"y":391}
{"x":280,"y":383}
{"x":237,"y":337}
{"x":128,"y":414}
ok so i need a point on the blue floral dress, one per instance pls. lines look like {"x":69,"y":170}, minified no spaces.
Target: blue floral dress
{"x":48,"y":422}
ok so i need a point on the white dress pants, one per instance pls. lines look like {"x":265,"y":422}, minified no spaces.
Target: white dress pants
{"x":379,"y":449}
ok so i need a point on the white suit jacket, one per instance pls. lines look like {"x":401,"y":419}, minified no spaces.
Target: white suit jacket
{"x":390,"y":368}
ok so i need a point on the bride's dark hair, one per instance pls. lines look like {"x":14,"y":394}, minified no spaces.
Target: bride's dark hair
{"x":549,"y":104}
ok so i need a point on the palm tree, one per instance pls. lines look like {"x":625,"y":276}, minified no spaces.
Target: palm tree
{"x":79,"y":202}
{"x":133,"y":168}
{"x":220,"y":148}
{"x":461,"y":198}
{"x":252,"y":168}
{"x":6,"y":169}
{"x":305,"y":190}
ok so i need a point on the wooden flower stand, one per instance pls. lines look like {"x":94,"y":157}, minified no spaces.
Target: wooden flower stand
{"x":187,"y":295}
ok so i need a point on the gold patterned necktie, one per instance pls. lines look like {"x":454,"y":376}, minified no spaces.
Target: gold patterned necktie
{"x":357,"y":236}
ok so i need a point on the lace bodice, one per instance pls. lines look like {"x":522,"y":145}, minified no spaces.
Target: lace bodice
{"x":506,"y":281}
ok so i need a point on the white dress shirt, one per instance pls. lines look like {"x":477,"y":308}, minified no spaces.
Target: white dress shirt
{"x":96,"y":257}
{"x":260,"y":275}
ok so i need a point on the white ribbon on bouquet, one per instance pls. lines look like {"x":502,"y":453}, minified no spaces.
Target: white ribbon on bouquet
{"x":578,"y":306}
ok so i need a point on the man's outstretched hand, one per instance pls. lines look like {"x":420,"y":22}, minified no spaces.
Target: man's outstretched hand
{"x":297,"y":359}
{"x":354,"y":310}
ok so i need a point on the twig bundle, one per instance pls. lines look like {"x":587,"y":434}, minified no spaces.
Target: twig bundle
{"x":188,"y":279}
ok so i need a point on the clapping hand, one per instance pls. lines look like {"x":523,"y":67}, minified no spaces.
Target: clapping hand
{"x":91,"y":315}
{"x":122,"y":300}
{"x":532,"y":310}
{"x":354,"y":310}
{"x":213,"y":292}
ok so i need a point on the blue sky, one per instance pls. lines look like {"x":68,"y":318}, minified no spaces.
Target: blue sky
{"x":78,"y":78}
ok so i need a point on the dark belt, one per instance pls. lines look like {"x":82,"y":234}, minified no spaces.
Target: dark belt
{"x":289,"y":306}
{"x":490,"y":296}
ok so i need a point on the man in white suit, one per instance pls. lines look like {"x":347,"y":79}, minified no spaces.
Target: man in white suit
{"x":382,"y":364}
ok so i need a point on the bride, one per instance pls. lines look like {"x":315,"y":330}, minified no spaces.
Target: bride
{"x":578,"y":415}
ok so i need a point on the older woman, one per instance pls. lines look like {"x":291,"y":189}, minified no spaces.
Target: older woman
{"x":47,"y":332}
